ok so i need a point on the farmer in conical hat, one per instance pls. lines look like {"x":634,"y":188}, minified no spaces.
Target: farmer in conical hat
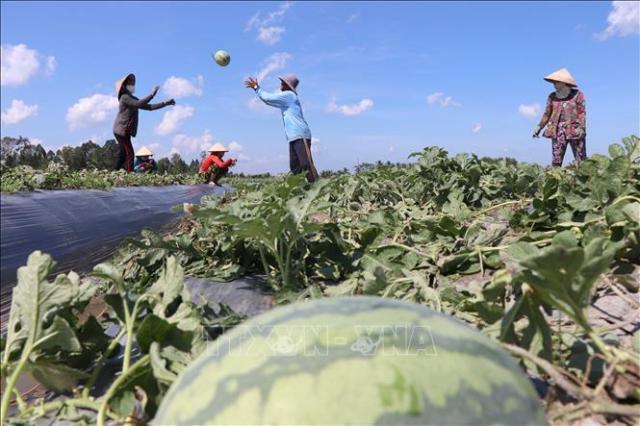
{"x":295,"y":126}
{"x":565,"y":118}
{"x":144,"y":162}
{"x":125,"y":125}
{"x":213,"y":167}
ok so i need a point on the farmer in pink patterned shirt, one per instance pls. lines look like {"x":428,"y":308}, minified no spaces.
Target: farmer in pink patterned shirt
{"x":565,"y":118}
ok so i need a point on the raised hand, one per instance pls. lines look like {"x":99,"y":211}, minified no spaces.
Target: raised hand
{"x":155,"y":91}
{"x":251,"y":82}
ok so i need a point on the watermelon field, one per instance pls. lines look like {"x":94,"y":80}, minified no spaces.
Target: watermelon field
{"x":57,"y":176}
{"x":528,"y":278}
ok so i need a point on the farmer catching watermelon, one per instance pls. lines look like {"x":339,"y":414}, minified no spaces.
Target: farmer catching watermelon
{"x":213,"y":167}
{"x":565,"y":118}
{"x":295,"y":127}
{"x":125,"y":125}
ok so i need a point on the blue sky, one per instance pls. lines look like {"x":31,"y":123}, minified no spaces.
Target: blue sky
{"x":379,"y":80}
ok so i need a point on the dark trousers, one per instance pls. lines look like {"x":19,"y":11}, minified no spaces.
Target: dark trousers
{"x":125,"y":159}
{"x":559,"y":147}
{"x":300,"y":159}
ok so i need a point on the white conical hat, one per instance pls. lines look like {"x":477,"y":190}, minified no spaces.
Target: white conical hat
{"x":563,"y":76}
{"x":120,"y":82}
{"x":218,"y":148}
{"x":144,"y":152}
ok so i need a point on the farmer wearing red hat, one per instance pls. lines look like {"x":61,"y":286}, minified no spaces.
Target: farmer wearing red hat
{"x":295,"y":127}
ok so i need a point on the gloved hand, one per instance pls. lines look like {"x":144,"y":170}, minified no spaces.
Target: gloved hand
{"x":536,"y":132}
{"x":170,"y":102}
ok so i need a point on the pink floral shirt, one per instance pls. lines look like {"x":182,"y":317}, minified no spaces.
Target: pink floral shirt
{"x":573,"y":111}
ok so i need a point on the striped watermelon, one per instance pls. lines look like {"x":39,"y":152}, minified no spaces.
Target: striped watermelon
{"x":352,"y":360}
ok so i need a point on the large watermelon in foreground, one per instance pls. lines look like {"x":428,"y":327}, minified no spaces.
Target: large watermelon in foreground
{"x":352,"y":360}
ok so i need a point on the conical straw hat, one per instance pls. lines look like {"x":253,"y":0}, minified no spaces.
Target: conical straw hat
{"x":144,"y":152}
{"x":563,"y":76}
{"x":120,"y":82}
{"x":218,"y":148}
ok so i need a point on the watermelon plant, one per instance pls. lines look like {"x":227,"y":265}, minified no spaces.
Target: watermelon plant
{"x":527,"y":255}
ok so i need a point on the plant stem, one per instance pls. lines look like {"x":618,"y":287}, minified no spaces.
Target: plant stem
{"x":77,"y":403}
{"x":572,"y":389}
{"x":265,"y":264}
{"x":399,"y":245}
{"x":141,"y":363}
{"x":11,"y":383}
{"x":625,"y":197}
{"x":130,"y":325}
{"x":127,"y":322}
{"x":100,"y":363}
{"x":508,"y":203}
{"x":613,"y":408}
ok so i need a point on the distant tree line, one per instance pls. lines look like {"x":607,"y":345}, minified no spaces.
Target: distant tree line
{"x":89,"y":155}
{"x":20,"y":151}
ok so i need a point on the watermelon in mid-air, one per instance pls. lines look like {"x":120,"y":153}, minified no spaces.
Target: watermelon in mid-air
{"x":352,"y":360}
{"x":222,"y":58}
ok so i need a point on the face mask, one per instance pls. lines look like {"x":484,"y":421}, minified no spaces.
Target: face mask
{"x":131,"y":88}
{"x":560,"y":88}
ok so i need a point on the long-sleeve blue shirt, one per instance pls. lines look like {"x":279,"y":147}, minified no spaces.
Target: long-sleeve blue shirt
{"x":295,"y":126}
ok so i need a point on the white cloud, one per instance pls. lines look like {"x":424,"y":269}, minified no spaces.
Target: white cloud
{"x":18,"y":63}
{"x":18,"y":111}
{"x":52,"y":64}
{"x":353,"y":17}
{"x":477,"y":127}
{"x":91,"y":111}
{"x":442,"y":99}
{"x":273,"y":63}
{"x":270,"y":35}
{"x":176,"y":87}
{"x":186,"y":145}
{"x":173,"y":119}
{"x":354,"y":109}
{"x":236,"y":147}
{"x":623,"y":20}
{"x":529,"y":111}
{"x":253,"y":22}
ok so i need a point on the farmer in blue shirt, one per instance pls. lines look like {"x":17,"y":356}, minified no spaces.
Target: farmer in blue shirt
{"x":295,"y":127}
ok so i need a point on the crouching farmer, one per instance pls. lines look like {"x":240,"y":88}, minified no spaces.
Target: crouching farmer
{"x":213,"y":167}
{"x":144,"y":163}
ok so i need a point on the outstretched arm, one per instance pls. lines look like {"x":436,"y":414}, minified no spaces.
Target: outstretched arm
{"x":139,"y":103}
{"x":151,"y":107}
{"x":277,"y":100}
